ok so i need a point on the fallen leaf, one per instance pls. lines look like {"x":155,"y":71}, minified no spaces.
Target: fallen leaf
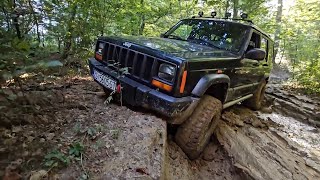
{"x":39,"y":175}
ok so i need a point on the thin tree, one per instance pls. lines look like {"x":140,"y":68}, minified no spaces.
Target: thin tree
{"x":278,"y":29}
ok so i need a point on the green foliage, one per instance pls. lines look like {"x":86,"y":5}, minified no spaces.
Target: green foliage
{"x":301,"y":44}
{"x":76,"y":149}
{"x":99,"y":144}
{"x":115,"y":133}
{"x":92,"y":132}
{"x":35,"y":28}
{"x":55,"y":159}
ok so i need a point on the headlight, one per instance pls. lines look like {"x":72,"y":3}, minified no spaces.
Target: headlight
{"x":167,"y":72}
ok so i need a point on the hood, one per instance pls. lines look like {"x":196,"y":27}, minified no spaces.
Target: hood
{"x":182,"y":49}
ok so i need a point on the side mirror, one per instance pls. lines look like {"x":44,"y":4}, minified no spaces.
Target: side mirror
{"x":256,"y":54}
{"x":162,"y":35}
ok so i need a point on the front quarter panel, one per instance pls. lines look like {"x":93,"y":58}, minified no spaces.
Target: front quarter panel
{"x":209,"y":80}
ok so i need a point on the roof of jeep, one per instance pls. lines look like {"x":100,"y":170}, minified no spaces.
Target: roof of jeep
{"x":238,"y":21}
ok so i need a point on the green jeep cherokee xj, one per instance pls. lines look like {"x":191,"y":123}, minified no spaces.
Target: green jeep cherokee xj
{"x":199,"y":67}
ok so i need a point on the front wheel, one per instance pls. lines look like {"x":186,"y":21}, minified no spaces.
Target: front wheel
{"x":194,"y":134}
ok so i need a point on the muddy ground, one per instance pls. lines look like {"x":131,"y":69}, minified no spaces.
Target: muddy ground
{"x":67,"y":130}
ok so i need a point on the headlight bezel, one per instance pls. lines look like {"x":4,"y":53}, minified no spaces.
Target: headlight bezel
{"x":167,"y":71}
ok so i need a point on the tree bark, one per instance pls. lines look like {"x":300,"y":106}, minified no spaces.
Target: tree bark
{"x":235,"y":8}
{"x":142,"y":21}
{"x":35,"y":21}
{"x":7,"y":18}
{"x":68,"y":37}
{"x":278,"y":29}
{"x":16,"y":21}
{"x":142,"y":25}
{"x":227,"y":6}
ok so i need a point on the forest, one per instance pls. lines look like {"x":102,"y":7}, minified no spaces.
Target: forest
{"x":56,"y":122}
{"x":34,"y":29}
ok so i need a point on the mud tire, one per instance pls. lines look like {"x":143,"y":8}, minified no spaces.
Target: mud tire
{"x":194,"y":134}
{"x":255,"y":102}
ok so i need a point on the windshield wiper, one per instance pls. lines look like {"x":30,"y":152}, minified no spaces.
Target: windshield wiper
{"x":207,"y":42}
{"x":171,"y":36}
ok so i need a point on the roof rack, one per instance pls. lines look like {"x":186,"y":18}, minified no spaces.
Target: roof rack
{"x":239,"y":19}
{"x":244,"y":17}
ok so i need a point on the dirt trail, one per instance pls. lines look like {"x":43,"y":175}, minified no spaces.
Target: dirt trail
{"x":262,"y":153}
{"x":120,"y":143}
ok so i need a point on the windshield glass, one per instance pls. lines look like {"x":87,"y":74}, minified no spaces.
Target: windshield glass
{"x":219,"y":34}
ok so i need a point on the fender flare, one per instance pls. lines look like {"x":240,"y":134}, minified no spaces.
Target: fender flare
{"x":207,"y":81}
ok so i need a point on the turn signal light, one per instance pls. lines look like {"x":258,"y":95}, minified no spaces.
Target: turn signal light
{"x":183,"y":82}
{"x":161,"y":85}
{"x":98,"y":57}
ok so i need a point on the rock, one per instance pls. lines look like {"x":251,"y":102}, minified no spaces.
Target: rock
{"x":209,"y":152}
{"x":16,"y":129}
{"x":3,"y":150}
{"x":267,"y":110}
{"x":247,"y":146}
{"x":37,"y":153}
{"x":12,"y":172}
{"x":12,"y":176}
{"x":258,"y":124}
{"x":313,"y":164}
{"x":232,"y":118}
{"x":39,"y":175}
{"x":50,"y":136}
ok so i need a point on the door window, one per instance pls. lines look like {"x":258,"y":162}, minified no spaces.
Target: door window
{"x":264,"y":46}
{"x":254,"y":41}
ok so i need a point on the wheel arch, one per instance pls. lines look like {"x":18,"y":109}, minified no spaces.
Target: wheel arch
{"x":209,"y":85}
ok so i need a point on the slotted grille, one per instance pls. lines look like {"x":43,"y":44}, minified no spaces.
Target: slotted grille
{"x":139,"y":65}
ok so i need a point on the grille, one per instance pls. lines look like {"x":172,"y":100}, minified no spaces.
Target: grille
{"x":139,"y":65}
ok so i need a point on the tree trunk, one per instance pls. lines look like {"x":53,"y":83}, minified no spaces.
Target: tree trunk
{"x":227,"y":6}
{"x":35,"y":21}
{"x":278,"y":29}
{"x":15,"y":21}
{"x":68,"y":37}
{"x":235,"y":8}
{"x":142,"y":22}
{"x":7,"y":18}
{"x":142,"y":25}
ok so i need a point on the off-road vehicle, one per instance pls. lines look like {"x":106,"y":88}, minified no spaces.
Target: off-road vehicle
{"x":197,"y":68}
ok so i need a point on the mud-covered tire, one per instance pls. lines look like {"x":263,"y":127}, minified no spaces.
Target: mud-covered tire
{"x":194,"y":134}
{"x":255,"y":102}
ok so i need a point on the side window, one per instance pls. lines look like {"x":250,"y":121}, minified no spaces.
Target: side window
{"x":255,"y":41}
{"x":264,"y":46}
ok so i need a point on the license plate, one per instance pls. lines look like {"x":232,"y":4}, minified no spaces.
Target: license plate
{"x":105,"y":80}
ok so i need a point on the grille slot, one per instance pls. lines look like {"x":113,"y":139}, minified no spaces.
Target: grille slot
{"x":139,"y":65}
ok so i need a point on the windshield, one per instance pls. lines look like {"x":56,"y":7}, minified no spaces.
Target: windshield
{"x":219,"y":34}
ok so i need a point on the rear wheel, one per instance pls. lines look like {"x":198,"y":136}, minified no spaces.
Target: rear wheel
{"x":255,"y":102}
{"x":194,"y":134}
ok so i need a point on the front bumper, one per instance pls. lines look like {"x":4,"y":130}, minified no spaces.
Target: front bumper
{"x":137,"y":94}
